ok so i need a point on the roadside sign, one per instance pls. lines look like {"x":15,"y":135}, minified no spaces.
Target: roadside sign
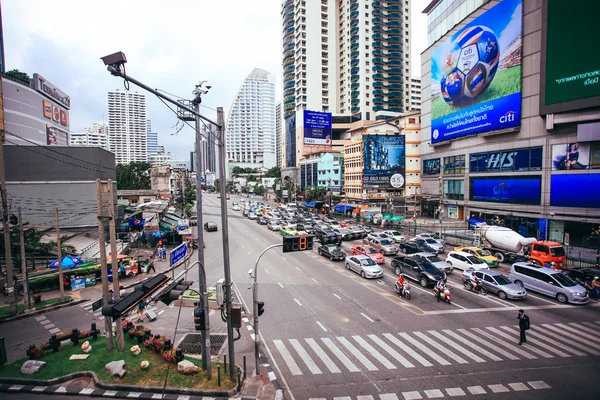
{"x":178,"y":253}
{"x":567,"y":238}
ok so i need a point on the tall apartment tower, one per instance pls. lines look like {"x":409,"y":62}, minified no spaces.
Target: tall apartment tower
{"x":278,"y":131}
{"x":251,"y":123}
{"x":127,"y":137}
{"x":152,"y":141}
{"x":94,"y":136}
{"x":415,"y":94}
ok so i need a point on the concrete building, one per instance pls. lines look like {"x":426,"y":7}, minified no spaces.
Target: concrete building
{"x":208,"y":149}
{"x":35,"y":112}
{"x":127,"y":126}
{"x":95,"y":135}
{"x":250,"y":126}
{"x":152,"y":143}
{"x":330,"y":170}
{"x":525,"y":160}
{"x":160,"y":179}
{"x":279,"y":132}
{"x":415,"y":94}
{"x":163,"y":158}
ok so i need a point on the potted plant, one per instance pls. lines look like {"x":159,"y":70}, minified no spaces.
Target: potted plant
{"x":37,"y":297}
{"x":140,"y":333}
{"x":169,"y":356}
{"x":131,"y":332}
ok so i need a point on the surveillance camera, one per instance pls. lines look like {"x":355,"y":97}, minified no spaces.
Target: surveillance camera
{"x":117,"y":58}
{"x":209,"y":86}
{"x":250,"y":272}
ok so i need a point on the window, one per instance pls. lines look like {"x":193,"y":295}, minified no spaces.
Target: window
{"x":454,"y":165}
{"x":454,"y":189}
{"x":488,"y":278}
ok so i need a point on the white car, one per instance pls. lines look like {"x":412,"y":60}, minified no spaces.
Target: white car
{"x":433,"y":236}
{"x":396,"y":236}
{"x":236,"y":207}
{"x":465,"y":261}
{"x":251,"y":215}
{"x":377,"y":235}
{"x":274,"y":225}
{"x":365,"y":266}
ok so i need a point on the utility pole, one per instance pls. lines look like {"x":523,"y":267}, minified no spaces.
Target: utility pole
{"x":61,"y":284}
{"x":225,"y":234}
{"x":27,"y":301}
{"x":6,"y":228}
{"x":114,"y":262}
{"x":183,"y":202}
{"x":103,"y":268}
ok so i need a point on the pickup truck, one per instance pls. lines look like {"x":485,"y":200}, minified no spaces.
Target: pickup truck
{"x":417,"y":269}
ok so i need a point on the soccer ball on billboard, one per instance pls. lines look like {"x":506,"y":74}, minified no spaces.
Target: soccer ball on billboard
{"x":470,"y":66}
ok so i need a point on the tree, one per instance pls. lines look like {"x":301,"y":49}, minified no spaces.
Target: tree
{"x":259,"y":190}
{"x":18,"y":75}
{"x":274,"y":172}
{"x":251,"y":178}
{"x":133,"y":176}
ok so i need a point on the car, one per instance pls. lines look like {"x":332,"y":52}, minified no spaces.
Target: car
{"x":366,"y":228}
{"x":358,"y":231}
{"x":210,"y":227}
{"x":262,"y":221}
{"x":412,"y":247}
{"x":306,"y":228}
{"x":252,"y":215}
{"x":193,"y":220}
{"x":482,"y":254}
{"x":465,"y":261}
{"x":332,"y":251}
{"x":435,"y":260}
{"x":346,"y":234}
{"x":547,"y":281}
{"x":369,"y":251}
{"x":431,"y":244}
{"x":498,"y":284}
{"x":582,"y":274}
{"x":418,"y":269}
{"x":384,"y":246}
{"x":365,"y":266}
{"x":288,"y":230}
{"x":274,"y":225}
{"x":235,"y":207}
{"x":434,"y":236}
{"x":396,"y":236}
{"x":376,"y":235}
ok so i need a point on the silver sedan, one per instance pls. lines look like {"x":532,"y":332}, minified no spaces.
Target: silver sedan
{"x":365,"y":266}
{"x":498,"y":284}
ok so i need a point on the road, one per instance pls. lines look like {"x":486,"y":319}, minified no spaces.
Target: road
{"x":333,"y":335}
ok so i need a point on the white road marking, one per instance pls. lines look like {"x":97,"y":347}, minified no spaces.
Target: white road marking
{"x":518,"y":386}
{"x":488,"y":344}
{"x":49,"y":326}
{"x":391,"y":351}
{"x":539,"y":385}
{"x":377,"y":355}
{"x":457,"y":346}
{"x":559,"y":345}
{"x":455,"y":392}
{"x":44,"y":322}
{"x":368,"y":397}
{"x":298,"y":268}
{"x":296,"y":300}
{"x":321,"y":326}
{"x":388,"y":396}
{"x":53,"y":331}
{"x":284,"y":259}
{"x":242,"y":246}
{"x":314,"y":280}
{"x":337,"y":296}
{"x":350,"y":347}
{"x":509,"y":337}
{"x":340,"y":355}
{"x":267,"y":271}
{"x":412,"y":395}
{"x":574,"y":337}
{"x":40,"y":318}
{"x":433,"y":393}
{"x":490,"y":309}
{"x":440,"y":348}
{"x":408,"y":350}
{"x":424,"y":349}
{"x":160,"y":312}
{"x":323,"y":356}
{"x":342,"y":398}
{"x":510,"y":345}
{"x":579,"y":332}
{"x":39,"y":388}
{"x":366,"y":317}
{"x":476,"y":390}
{"x":549,"y":348}
{"x":589,"y":327}
{"x":287,"y":357}
{"x":475,"y":347}
{"x":249,"y":253}
{"x":498,"y":388}
{"x":305,"y":357}
{"x":279,"y":283}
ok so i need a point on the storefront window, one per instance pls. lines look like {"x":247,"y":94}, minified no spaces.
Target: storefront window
{"x":454,"y":189}
{"x":454,"y":165}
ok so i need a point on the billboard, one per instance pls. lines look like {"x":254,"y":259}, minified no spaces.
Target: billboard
{"x":317,"y":128}
{"x":47,"y":109}
{"x":431,"y":167}
{"x":476,"y":76}
{"x":517,"y":160}
{"x":575,"y":190}
{"x":510,"y":190}
{"x":56,"y":137}
{"x":572,"y":156}
{"x":570,"y":74}
{"x":42,"y":85}
{"x":384,"y":161}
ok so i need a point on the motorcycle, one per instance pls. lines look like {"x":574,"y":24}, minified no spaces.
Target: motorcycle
{"x":445,"y":295}
{"x":404,"y":290}
{"x":477,"y":287}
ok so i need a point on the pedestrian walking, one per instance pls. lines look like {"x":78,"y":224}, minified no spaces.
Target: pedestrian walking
{"x":151,"y":264}
{"x":140,"y":311}
{"x":523,"y":326}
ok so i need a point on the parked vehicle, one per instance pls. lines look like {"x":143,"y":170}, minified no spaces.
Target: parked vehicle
{"x":396,"y":236}
{"x":332,"y":251}
{"x":435,"y":260}
{"x":444,"y":296}
{"x":368,"y":251}
{"x":384,"y":246}
{"x":419,"y":270}
{"x":193,"y":220}
{"x":364,"y":265}
{"x":483,"y":255}
{"x":496,"y":283}
{"x":465,"y":261}
{"x":236,"y":207}
{"x":306,"y":228}
{"x":550,"y":282}
{"x":435,"y":236}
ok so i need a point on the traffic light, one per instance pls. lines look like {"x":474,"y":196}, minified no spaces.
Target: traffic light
{"x":297,"y":243}
{"x":199,"y":319}
{"x":261,"y":308}
{"x":174,"y":290}
{"x":128,"y":303}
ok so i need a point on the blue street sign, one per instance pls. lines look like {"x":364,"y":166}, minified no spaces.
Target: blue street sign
{"x":201,"y":179}
{"x":178,"y":253}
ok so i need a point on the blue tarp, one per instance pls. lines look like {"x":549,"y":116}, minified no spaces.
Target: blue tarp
{"x":311,"y":204}
{"x":343,"y":208}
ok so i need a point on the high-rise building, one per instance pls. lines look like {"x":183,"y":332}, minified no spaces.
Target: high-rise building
{"x":251,"y":123}
{"x":94,"y":136}
{"x":208,"y":152}
{"x":152,"y":141}
{"x":278,"y":131}
{"x":127,"y":126}
{"x":415,"y":94}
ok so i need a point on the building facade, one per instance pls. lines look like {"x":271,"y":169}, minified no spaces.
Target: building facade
{"x":250,"y":126}
{"x":152,"y":143}
{"x":127,"y":137}
{"x":415,"y":94}
{"x":95,"y":135}
{"x":526,"y":160}
{"x":278,"y":132}
{"x":330,"y":170}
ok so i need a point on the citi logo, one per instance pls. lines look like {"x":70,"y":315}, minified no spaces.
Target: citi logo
{"x":509,"y":116}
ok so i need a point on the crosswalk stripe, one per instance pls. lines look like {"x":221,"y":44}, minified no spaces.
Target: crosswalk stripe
{"x":509,"y":337}
{"x":472,"y":345}
{"x":388,"y":396}
{"x":494,"y":340}
{"x":440,"y":348}
{"x":340,"y":355}
{"x":305,"y":357}
{"x":424,"y":349}
{"x":571,"y":336}
{"x":408,"y":350}
{"x":364,"y":398}
{"x":391,"y":351}
{"x":592,"y":327}
{"x":579,"y":332}
{"x":287,"y":357}
{"x":457,"y":346}
{"x":342,"y":398}
{"x":584,"y":328}
{"x":538,"y":343}
{"x":323,"y":356}
{"x":377,"y":355}
{"x":368,"y":364}
{"x":558,"y":344}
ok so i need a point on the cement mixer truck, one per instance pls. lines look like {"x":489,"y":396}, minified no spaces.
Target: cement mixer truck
{"x":507,"y":245}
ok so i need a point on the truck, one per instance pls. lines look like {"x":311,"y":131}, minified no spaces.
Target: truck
{"x":507,"y":245}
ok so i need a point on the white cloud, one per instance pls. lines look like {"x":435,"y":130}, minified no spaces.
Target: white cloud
{"x":512,"y":29}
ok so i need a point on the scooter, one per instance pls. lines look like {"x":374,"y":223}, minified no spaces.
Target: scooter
{"x":445,"y":295}
{"x":404,"y":291}
{"x":478,"y":287}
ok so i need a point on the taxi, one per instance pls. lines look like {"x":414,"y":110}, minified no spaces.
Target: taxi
{"x":368,"y":251}
{"x":480,"y":253}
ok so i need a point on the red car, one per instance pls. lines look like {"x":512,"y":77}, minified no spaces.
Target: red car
{"x":368,"y":251}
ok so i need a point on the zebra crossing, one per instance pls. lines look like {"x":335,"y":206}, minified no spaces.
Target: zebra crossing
{"x":391,"y":351}
{"x":87,"y":306}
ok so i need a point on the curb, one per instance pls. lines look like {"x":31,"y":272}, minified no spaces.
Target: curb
{"x":43,"y":310}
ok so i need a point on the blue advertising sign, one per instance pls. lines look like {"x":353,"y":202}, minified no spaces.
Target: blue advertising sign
{"x":384,"y":161}
{"x":431,"y":167}
{"x":77,"y":283}
{"x":515,"y":190}
{"x":575,"y":190}
{"x":317,"y":128}
{"x":178,"y":253}
{"x":476,"y":76}
{"x":507,"y":160}
{"x":542,"y":224}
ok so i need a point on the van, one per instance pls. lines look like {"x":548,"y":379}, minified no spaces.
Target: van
{"x":550,"y":282}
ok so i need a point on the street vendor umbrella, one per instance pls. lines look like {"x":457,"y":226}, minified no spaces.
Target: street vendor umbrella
{"x":119,"y":257}
{"x":160,"y":234}
{"x":67,"y":262}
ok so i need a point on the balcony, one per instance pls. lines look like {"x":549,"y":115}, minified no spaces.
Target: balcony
{"x":288,"y":24}
{"x":354,"y":30}
{"x":288,"y":76}
{"x":354,"y":6}
{"x":355,"y":93}
{"x":354,"y":46}
{"x":289,"y":46}
{"x":289,"y":68}
{"x":355,"y":109}
{"x":288,"y":31}
{"x":289,"y":91}
{"x":377,"y":100}
{"x":354,"y":22}
{"x":354,"y":38}
{"x":377,"y":92}
{"x":289,"y":53}
{"x":354,"y":101}
{"x":394,"y":94}
{"x":354,"y":54}
{"x":354,"y":85}
{"x":289,"y":99}
{"x":354,"y":14}
{"x":354,"y":77}
{"x":354,"y":61}
{"x":288,"y":16}
{"x":378,"y":28}
{"x":287,"y":61}
{"x":288,"y":8}
{"x":354,"y":70}
{"x":377,"y":60}
{"x":288,"y":84}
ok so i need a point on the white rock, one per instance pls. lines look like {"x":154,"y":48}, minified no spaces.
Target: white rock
{"x":30,"y":367}
{"x":186,"y":367}
{"x":116,"y":368}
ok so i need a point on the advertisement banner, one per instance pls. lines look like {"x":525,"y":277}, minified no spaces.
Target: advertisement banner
{"x":47,"y":109}
{"x":507,"y":160}
{"x":453,"y":212}
{"x":63,"y":118}
{"x":384,"y":161}
{"x":575,"y":190}
{"x":476,"y":76}
{"x":431,"y":167}
{"x":77,"y":284}
{"x":55,"y":114}
{"x":595,"y":155}
{"x":572,"y":156}
{"x":56,"y":137}
{"x":514,"y":190}
{"x":317,"y":128}
{"x":42,"y":85}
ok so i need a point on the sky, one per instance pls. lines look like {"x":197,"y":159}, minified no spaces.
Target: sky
{"x":170,"y":46}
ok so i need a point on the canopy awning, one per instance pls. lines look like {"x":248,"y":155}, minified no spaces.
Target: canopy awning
{"x":343,"y":207}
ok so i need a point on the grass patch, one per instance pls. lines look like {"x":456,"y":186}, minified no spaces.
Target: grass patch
{"x":189,"y":294}
{"x":58,"y":364}
{"x":506,"y":81}
{"x":5,"y":311}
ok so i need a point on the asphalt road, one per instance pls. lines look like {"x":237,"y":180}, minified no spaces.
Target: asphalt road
{"x":332,"y":334}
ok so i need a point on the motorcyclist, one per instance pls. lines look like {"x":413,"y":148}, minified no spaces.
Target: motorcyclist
{"x":596,"y":287}
{"x":475,"y":281}
{"x":440,"y":286}
{"x":401,"y":282}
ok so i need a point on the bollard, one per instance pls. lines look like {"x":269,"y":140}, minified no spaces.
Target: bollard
{"x":239,"y":380}
{"x":179,"y":355}
{"x":225,"y":363}
{"x":75,"y":337}
{"x":244,"y":367}
{"x":55,"y":343}
{"x":3,"y":357}
{"x":219,"y":376}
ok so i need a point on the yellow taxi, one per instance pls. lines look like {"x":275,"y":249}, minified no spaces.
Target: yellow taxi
{"x":480,"y":253}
